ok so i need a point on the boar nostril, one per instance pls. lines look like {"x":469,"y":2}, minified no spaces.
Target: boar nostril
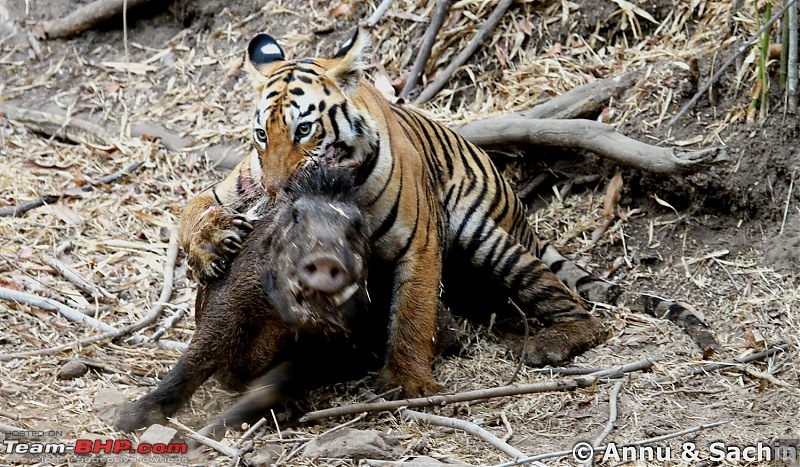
{"x":323,"y":273}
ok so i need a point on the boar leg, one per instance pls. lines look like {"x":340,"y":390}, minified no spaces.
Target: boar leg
{"x":173,"y":392}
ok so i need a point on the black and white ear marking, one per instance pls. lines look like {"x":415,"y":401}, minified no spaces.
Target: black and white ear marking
{"x":347,"y":45}
{"x":264,"y":49}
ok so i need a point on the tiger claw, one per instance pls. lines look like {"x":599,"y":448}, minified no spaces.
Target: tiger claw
{"x":242,"y":223}
{"x":231,"y":245}
{"x":218,"y":267}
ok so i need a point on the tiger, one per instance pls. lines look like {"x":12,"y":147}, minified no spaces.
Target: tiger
{"x":429,"y":195}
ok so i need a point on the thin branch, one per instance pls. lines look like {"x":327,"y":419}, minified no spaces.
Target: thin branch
{"x":110,"y":331}
{"x":584,"y":100}
{"x":465,"y":54}
{"x":88,"y":16}
{"x":723,"y":365}
{"x":791,"y":74}
{"x":479,"y":394}
{"x":205,"y":441}
{"x":643,"y":442}
{"x":424,"y":53}
{"x":378,"y":14}
{"x":468,"y":427}
{"x":172,"y":321}
{"x":612,"y":414}
{"x":742,"y":49}
{"x":590,"y":135}
{"x":16,"y":211}
{"x":63,"y":126}
{"x":72,"y":276}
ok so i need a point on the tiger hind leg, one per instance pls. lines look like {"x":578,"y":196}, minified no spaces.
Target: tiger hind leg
{"x":569,"y":328}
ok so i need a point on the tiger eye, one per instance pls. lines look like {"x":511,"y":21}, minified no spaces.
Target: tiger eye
{"x":303,"y":130}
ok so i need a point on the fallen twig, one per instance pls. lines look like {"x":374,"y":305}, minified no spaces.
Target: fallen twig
{"x":722,"y":365}
{"x":68,"y":127}
{"x":465,"y":54}
{"x":87,"y":16}
{"x":466,"y":426}
{"x":172,"y":321}
{"x":657,"y":439}
{"x":769,"y":378}
{"x":205,"y":441}
{"x":502,"y":391}
{"x":584,"y":100}
{"x":378,"y":14}
{"x":71,"y":275}
{"x":442,"y":7}
{"x":20,"y":209}
{"x":612,"y":414}
{"x":728,"y":63}
{"x":791,"y":74}
{"x":592,"y":136}
{"x":110,"y":331}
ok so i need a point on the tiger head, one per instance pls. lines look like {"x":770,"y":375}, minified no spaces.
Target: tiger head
{"x":307,"y":112}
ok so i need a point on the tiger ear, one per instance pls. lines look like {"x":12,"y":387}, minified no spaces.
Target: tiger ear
{"x":263,"y":54}
{"x":349,"y":62}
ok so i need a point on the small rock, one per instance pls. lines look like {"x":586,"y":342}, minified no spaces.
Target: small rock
{"x":72,"y":369}
{"x":107,"y":403}
{"x":348,"y":443}
{"x":158,"y":434}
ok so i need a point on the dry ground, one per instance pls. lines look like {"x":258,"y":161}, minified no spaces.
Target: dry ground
{"x":726,"y":241}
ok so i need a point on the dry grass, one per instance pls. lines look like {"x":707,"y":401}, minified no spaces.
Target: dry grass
{"x":189,"y":83}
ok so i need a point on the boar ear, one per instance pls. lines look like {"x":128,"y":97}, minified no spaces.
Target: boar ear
{"x":268,"y":282}
{"x":263,"y":54}
{"x":349,"y":61}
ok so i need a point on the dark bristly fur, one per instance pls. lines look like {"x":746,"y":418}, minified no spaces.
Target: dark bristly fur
{"x":241,"y":336}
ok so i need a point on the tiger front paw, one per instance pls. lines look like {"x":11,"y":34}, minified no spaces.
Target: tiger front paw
{"x":216,"y":240}
{"x":419,"y":385}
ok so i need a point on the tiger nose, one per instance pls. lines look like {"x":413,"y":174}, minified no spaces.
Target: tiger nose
{"x":323,"y":273}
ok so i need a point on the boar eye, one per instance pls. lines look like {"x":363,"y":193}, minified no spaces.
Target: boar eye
{"x":296,"y":216}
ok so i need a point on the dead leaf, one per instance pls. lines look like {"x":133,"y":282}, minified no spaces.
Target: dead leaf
{"x":754,"y":339}
{"x":601,"y":229}
{"x":452,"y":20}
{"x":66,"y":214}
{"x":340,"y":10}
{"x":614,"y":267}
{"x":700,"y":315}
{"x":11,"y":285}
{"x":132,"y":67}
{"x":32,"y":164}
{"x":234,"y":67}
{"x":114,"y":87}
{"x":399,"y":83}
{"x":664,"y":203}
{"x":613,"y":194}
{"x":554,"y":50}
{"x":153,"y":219}
{"x":527,"y":26}
{"x":384,"y":85}
{"x":25,"y":252}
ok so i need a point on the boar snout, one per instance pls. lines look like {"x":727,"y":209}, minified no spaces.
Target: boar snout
{"x":324,"y":273}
